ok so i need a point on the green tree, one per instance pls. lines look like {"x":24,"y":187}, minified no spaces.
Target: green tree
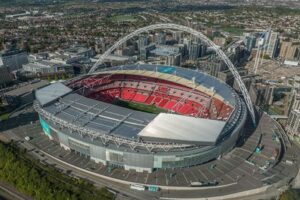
{"x":290,"y":195}
{"x":41,"y":182}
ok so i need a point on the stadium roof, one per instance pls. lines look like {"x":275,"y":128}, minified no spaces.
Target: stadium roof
{"x":102,"y":117}
{"x":131,"y":124}
{"x":173,"y":127}
{"x":51,"y":93}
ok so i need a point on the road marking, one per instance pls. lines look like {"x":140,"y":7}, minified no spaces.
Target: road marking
{"x":112,"y":172}
{"x":56,"y":151}
{"x":176,"y":180}
{"x":211,"y":172}
{"x":146,"y":179}
{"x":71,"y":157}
{"x":101,"y":166}
{"x":185,"y":177}
{"x":203,"y":174}
{"x":127,"y":175}
{"x":224,"y":166}
{"x":196,"y":179}
{"x":219,"y":170}
{"x":227,"y":175}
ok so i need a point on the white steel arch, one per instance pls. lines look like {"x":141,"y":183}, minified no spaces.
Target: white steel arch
{"x":197,"y":34}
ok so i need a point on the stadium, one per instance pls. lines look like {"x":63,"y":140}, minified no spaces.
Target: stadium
{"x":143,"y":117}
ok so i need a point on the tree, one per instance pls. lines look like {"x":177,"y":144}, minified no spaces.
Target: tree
{"x":228,"y":41}
{"x":290,"y":195}
{"x":42,"y":182}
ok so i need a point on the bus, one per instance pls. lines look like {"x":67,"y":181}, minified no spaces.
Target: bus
{"x":203,"y":184}
{"x":137,"y":187}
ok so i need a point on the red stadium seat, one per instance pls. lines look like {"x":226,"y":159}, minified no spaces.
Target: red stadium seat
{"x":148,"y":90}
{"x":169,"y":105}
{"x":139,"y":98}
{"x":149,"y":100}
{"x":163,"y":103}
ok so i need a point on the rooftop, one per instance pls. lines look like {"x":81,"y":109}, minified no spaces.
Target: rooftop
{"x":27,"y":88}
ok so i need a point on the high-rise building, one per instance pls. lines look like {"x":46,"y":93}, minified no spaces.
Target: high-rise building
{"x":100,"y":46}
{"x":250,"y":42}
{"x":194,"y":51}
{"x":174,"y":59}
{"x":187,"y":45}
{"x":144,"y":52}
{"x":212,"y":65}
{"x":129,"y":51}
{"x":290,"y":50}
{"x":296,"y":102}
{"x":284,"y":47}
{"x":177,"y":35}
{"x":272,"y":44}
{"x":161,"y":38}
{"x":293,"y":123}
{"x":203,"y":49}
{"x":143,"y":41}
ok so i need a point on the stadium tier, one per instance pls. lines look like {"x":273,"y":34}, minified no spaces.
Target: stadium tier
{"x":143,"y":117}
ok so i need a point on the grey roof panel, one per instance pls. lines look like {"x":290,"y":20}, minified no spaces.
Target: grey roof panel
{"x":110,"y":119}
{"x":182,"y":128}
{"x":52,"y":92}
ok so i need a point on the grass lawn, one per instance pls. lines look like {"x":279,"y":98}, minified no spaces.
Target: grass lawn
{"x":123,"y":18}
{"x":272,"y":110}
{"x":4,"y":116}
{"x":5,"y":111}
{"x":233,"y":30}
{"x":139,"y":107}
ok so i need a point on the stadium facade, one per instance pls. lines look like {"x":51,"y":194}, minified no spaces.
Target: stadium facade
{"x":143,"y":117}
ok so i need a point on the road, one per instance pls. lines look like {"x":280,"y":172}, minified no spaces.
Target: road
{"x":12,"y":192}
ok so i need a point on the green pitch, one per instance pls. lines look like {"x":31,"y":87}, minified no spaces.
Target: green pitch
{"x":140,"y":107}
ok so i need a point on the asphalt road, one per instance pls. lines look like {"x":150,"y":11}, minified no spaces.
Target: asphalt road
{"x":13,"y":192}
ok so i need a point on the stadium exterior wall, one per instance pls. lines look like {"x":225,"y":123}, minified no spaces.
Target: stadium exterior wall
{"x":141,"y":160}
